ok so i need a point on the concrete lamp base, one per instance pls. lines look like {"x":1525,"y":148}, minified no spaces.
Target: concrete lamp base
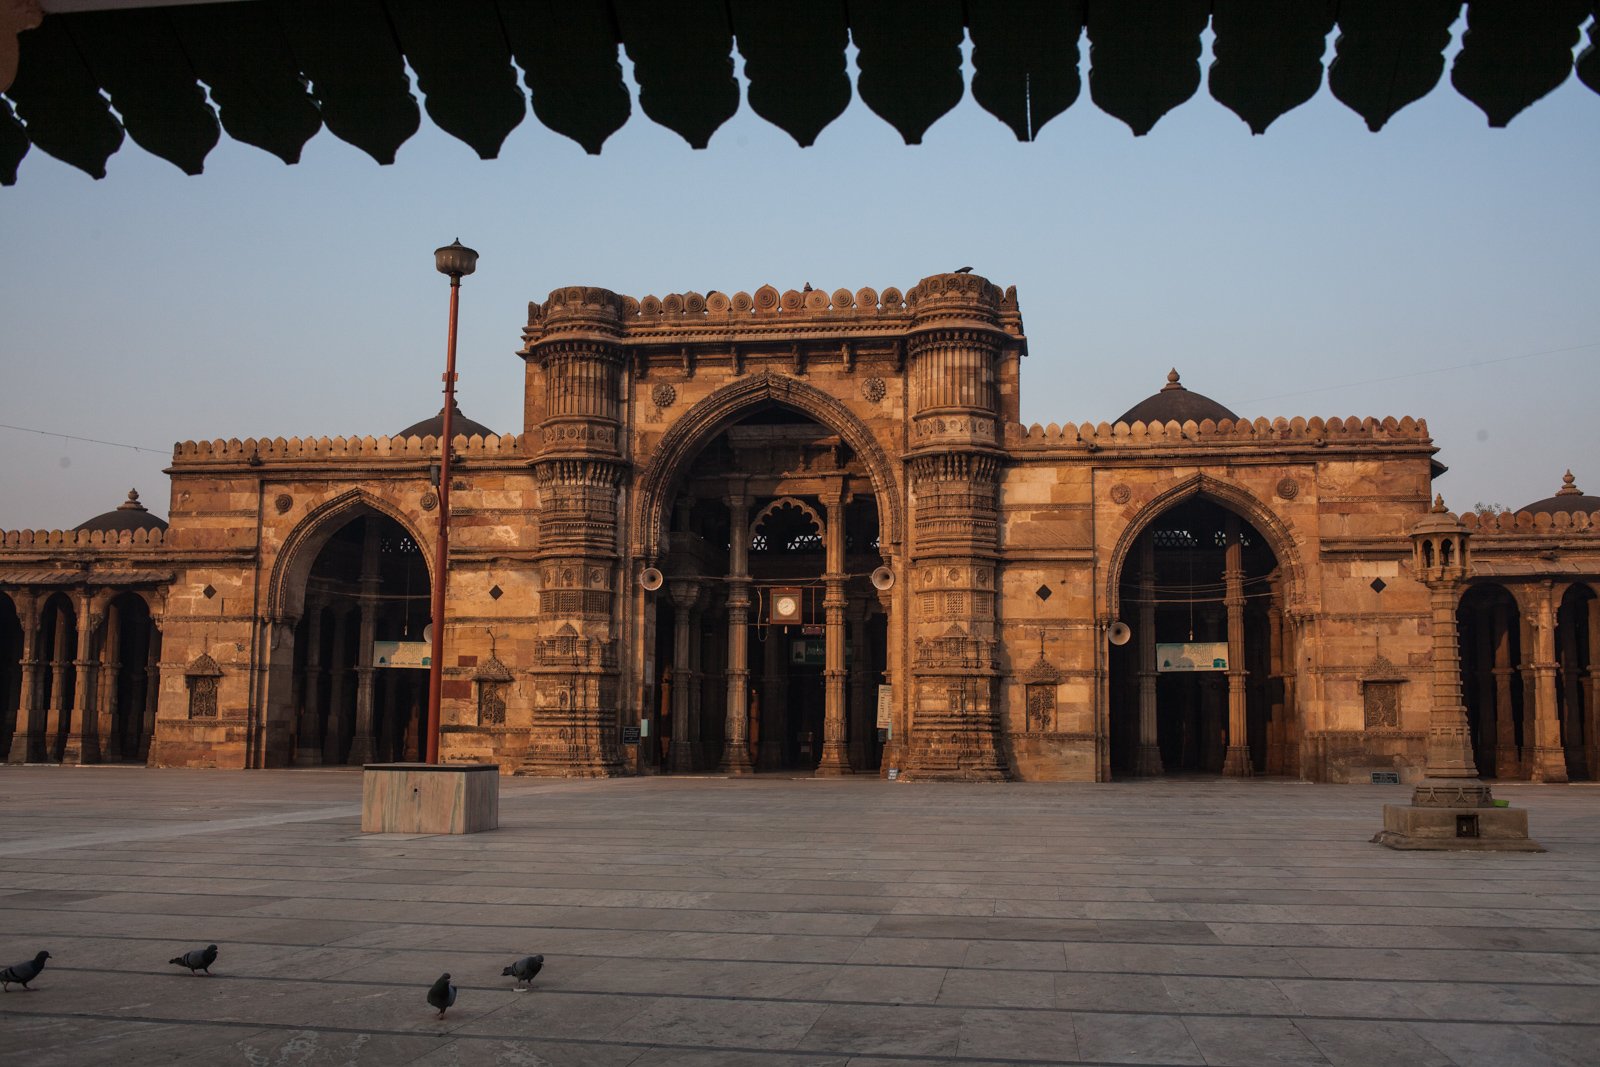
{"x":1455,"y":816}
{"x":430,"y":798}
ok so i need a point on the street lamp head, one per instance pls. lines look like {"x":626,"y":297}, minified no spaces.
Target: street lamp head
{"x":455,"y":259}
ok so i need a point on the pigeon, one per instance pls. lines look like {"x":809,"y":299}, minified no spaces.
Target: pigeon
{"x":197,"y":959}
{"x":28,"y":970}
{"x":442,"y":993}
{"x":963,"y":270}
{"x":525,"y":969}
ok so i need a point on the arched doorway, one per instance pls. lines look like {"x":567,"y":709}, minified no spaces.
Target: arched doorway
{"x":125,"y":694}
{"x":359,"y":689}
{"x":56,"y":679}
{"x":13,"y":715}
{"x":1202,"y":686}
{"x":1577,"y":648}
{"x":1490,"y":628}
{"x":769,"y":637}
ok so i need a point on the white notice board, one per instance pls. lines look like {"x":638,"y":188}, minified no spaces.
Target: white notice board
{"x":1192,"y":656}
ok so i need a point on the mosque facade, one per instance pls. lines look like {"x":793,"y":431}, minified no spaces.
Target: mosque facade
{"x":806,"y":532}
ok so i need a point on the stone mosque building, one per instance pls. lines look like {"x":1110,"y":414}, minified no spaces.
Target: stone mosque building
{"x":805,"y":532}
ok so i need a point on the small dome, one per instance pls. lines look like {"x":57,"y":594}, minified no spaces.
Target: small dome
{"x":1568,"y":498}
{"x":460,"y":426}
{"x":128,"y":515}
{"x":1174,"y":403}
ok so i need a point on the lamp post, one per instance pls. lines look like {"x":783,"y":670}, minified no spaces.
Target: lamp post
{"x":457,"y":261}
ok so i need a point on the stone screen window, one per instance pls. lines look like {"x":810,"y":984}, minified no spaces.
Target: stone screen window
{"x":1380,"y":701}
{"x":203,"y":675}
{"x":494,"y":682}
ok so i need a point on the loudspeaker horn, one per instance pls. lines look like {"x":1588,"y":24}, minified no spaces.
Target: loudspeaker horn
{"x":651,"y":578}
{"x":882,"y":578}
{"x":1118,"y":633}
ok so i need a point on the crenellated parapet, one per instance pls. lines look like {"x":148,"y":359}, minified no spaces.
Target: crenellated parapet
{"x":1313,"y":432}
{"x":63,"y":539}
{"x":254,"y":451}
{"x":1489,"y":523}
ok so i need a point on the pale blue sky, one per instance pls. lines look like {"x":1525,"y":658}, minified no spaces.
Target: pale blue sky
{"x":1438,"y":269}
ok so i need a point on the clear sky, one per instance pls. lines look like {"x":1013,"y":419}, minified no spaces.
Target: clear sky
{"x":1437,"y":269}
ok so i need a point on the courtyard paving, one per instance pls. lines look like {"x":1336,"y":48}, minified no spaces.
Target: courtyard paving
{"x":786,"y":922}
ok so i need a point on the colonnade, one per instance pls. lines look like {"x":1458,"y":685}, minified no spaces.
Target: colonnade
{"x":1532,"y":679}
{"x":847,"y":735}
{"x":79,"y":698}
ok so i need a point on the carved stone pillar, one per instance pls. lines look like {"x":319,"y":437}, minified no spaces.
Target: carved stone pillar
{"x":1450,"y":807}
{"x":572,"y":345}
{"x":685,"y":596}
{"x":862,"y":705}
{"x":149,"y":704}
{"x":82,"y":745}
{"x":308,"y":745}
{"x":108,"y":668}
{"x":835,"y":758}
{"x":1548,"y":762}
{"x":736,"y":743}
{"x":58,"y":708}
{"x":954,"y":465}
{"x":338,"y":715}
{"x":1148,"y":760}
{"x":1591,"y":692}
{"x":1571,"y":683}
{"x":894,"y":752}
{"x":24,"y":734}
{"x":1483,"y":685}
{"x":1293,"y":727}
{"x":1237,"y":761}
{"x":361,"y":744}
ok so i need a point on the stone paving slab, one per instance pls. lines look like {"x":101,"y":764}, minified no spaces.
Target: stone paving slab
{"x":785,"y":922}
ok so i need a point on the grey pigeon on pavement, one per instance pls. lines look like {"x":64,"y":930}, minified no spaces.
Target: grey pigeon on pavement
{"x":442,"y":993}
{"x":197,"y":959}
{"x":23,"y":972}
{"x":525,"y":969}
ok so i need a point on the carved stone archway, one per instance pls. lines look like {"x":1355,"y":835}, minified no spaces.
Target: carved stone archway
{"x":726,"y":406}
{"x":286,"y":588}
{"x":1248,"y":506}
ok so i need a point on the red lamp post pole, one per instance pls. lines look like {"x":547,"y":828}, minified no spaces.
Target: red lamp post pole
{"x":455,"y":261}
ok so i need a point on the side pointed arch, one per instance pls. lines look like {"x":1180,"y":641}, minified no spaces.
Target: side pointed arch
{"x":1250,"y":507}
{"x":286,"y":590}
{"x":701,"y":423}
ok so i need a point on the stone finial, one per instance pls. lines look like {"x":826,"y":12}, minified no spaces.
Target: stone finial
{"x":132,"y":503}
{"x":1438,"y":504}
{"x":1569,"y":486}
{"x":1172,"y":380}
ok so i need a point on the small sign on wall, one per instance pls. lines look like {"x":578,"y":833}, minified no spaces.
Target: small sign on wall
{"x":412,"y":654}
{"x":1192,"y":656}
{"x":885,"y":707}
{"x":630,"y":735}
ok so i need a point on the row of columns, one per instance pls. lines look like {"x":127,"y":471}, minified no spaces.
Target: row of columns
{"x":842,"y":748}
{"x":1236,"y":759}
{"x":89,"y":720}
{"x":1560,"y":698}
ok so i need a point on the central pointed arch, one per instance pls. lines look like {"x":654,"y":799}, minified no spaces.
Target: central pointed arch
{"x":1237,"y":499}
{"x":728,"y":405}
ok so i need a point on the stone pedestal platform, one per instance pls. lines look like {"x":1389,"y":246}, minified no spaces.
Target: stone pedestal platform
{"x":430,"y":798}
{"x":1455,"y":815}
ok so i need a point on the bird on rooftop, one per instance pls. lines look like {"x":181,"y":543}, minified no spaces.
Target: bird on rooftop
{"x":963,"y":270}
{"x":196,"y":959}
{"x":27,"y":971}
{"x":524,"y":970}
{"x":442,"y":993}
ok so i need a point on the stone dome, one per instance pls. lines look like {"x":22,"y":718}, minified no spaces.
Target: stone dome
{"x":1568,"y":498}
{"x":1174,"y":403}
{"x":128,"y":515}
{"x":460,"y":426}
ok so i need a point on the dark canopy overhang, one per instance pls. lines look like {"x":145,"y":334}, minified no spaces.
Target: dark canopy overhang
{"x":271,"y":73}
